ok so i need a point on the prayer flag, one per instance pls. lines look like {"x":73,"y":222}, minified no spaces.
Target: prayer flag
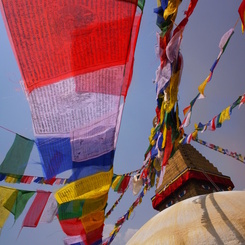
{"x":6,"y":194}
{"x":191,"y":8}
{"x":34,"y":213}
{"x":172,"y":8}
{"x":55,"y":155}
{"x":50,"y":210}
{"x":225,"y":40}
{"x":241,"y":11}
{"x":225,"y":115}
{"x":187,"y":139}
{"x":186,"y":121}
{"x":21,"y":200}
{"x":71,"y":34}
{"x":17,"y":157}
{"x":203,"y":85}
{"x":186,"y":109}
{"x":242,"y":101}
{"x":89,"y":187}
{"x":212,"y":125}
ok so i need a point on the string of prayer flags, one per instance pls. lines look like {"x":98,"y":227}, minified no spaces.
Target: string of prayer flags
{"x":120,"y":184}
{"x":214,"y":123}
{"x":48,"y":92}
{"x":26,"y":179}
{"x":235,"y":155}
{"x":75,"y":102}
{"x":241,"y":11}
{"x":35,"y":211}
{"x":126,"y":216}
{"x":168,"y":77}
{"x":36,"y":82}
{"x":16,"y":159}
{"x":218,"y":120}
{"x":115,"y":204}
{"x":222,"y":46}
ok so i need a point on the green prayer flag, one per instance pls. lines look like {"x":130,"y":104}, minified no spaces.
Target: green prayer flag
{"x":22,"y":198}
{"x":119,"y":183}
{"x":141,"y":4}
{"x":16,"y":159}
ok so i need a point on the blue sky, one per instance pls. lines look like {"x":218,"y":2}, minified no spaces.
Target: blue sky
{"x":209,"y":21}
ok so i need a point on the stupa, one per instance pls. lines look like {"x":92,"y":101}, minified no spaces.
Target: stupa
{"x":188,"y":173}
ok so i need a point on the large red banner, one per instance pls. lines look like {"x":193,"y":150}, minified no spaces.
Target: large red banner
{"x":54,"y":40}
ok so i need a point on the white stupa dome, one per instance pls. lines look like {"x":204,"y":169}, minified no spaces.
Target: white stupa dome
{"x":217,"y":218}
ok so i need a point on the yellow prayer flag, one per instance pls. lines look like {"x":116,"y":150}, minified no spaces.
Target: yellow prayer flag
{"x":115,"y":182}
{"x":203,"y":85}
{"x":194,"y":134}
{"x":172,"y":8}
{"x":173,"y":91}
{"x":10,"y":179}
{"x":164,"y":134}
{"x":225,"y":115}
{"x":6,"y":195}
{"x":90,"y":187}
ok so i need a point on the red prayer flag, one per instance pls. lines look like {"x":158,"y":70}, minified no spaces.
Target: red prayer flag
{"x":34,"y":214}
{"x":124,"y":184}
{"x":62,"y":42}
{"x":191,"y":7}
{"x":241,"y":11}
